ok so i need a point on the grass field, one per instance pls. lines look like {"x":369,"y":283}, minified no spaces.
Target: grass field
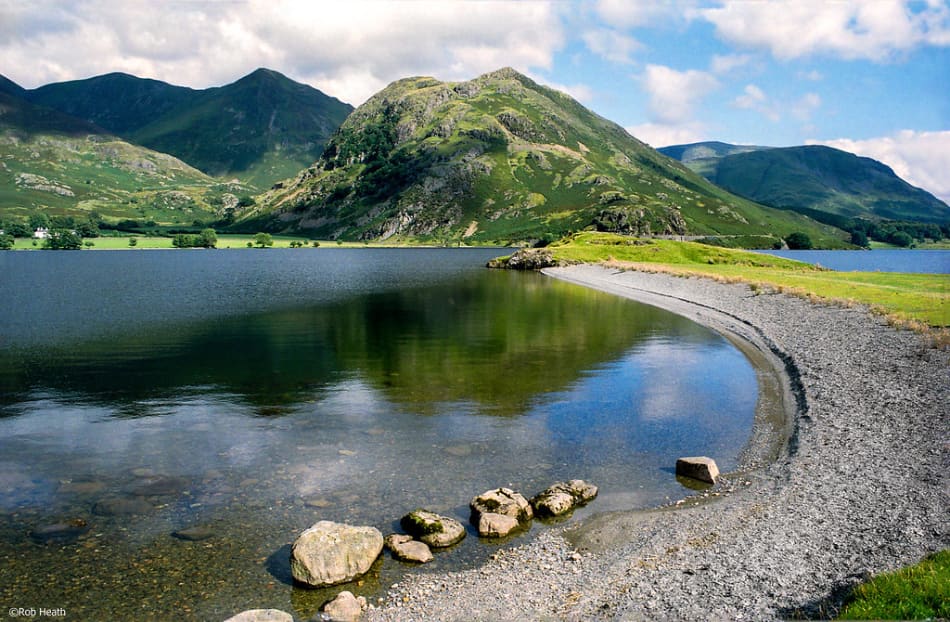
{"x":906,"y":299}
{"x":918,"y":592}
{"x":225,"y":240}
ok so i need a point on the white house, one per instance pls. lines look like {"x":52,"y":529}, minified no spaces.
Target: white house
{"x":41,"y":233}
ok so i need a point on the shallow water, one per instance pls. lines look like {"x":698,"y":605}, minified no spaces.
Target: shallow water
{"x":252,"y":393}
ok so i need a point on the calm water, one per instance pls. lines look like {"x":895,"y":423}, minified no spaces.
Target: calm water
{"x":884,"y":260}
{"x":252,"y":393}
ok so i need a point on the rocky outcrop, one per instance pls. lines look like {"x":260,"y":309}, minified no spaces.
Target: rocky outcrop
{"x":526,"y":259}
{"x":433,"y":529}
{"x":262,"y":615}
{"x":500,"y":501}
{"x":345,"y":607}
{"x":329,"y":553}
{"x":698,"y":467}
{"x":563,"y":497}
{"x":406,"y":549}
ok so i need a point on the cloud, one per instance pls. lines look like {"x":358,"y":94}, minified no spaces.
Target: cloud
{"x":663,"y":135}
{"x":611,"y":45}
{"x":920,"y":158}
{"x":349,"y":49}
{"x":631,"y":13}
{"x":725,"y":63}
{"x":754,"y":98}
{"x":674,"y":94}
{"x":804,"y":108}
{"x":850,"y":29}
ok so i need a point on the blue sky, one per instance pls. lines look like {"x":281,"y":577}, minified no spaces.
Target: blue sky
{"x":868,"y":76}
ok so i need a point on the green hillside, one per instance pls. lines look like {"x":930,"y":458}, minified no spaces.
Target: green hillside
{"x":499,"y":159}
{"x":60,"y":165}
{"x":813,"y":178}
{"x":260,"y":129}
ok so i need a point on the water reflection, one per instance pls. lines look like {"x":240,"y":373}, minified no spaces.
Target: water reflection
{"x":357,"y":408}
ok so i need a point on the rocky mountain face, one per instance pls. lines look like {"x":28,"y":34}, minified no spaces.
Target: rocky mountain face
{"x":497,"y":159}
{"x":812,"y":178}
{"x":261,"y":128}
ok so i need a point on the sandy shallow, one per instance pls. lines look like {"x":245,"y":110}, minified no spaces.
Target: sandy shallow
{"x":850,"y":481}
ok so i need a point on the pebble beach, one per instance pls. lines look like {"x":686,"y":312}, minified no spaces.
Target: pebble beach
{"x":849,"y":482}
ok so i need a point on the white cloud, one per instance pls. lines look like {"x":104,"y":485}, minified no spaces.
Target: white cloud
{"x":920,"y":158}
{"x":754,"y":98}
{"x":348,"y":49}
{"x":674,"y":94}
{"x":804,"y":108}
{"x":725,"y":63}
{"x":812,"y":76}
{"x":630,"y":13}
{"x":876,"y":30}
{"x":611,"y":45}
{"x":663,"y":135}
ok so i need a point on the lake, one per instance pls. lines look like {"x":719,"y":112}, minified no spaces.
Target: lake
{"x":933,"y":261}
{"x":250,"y":393}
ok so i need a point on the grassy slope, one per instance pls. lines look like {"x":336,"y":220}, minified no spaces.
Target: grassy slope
{"x":918,"y":592}
{"x":906,"y":298}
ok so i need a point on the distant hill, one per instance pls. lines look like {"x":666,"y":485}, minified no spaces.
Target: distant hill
{"x":262,"y":128}
{"x":499,"y":159}
{"x":53,"y":163}
{"x":813,"y":178}
{"x":9,"y":87}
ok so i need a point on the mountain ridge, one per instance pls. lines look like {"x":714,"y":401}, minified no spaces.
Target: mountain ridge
{"x":262,"y":127}
{"x":498,"y":158}
{"x":815,"y":177}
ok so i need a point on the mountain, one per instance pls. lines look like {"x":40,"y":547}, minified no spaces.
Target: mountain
{"x":262,"y":128}
{"x":53,"y":163}
{"x":816,"y":178}
{"x":497,"y":159}
{"x":9,"y":87}
{"x":702,"y":157}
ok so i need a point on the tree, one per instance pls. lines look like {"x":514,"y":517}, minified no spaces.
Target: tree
{"x":900,"y":238}
{"x":208,"y":238}
{"x":39,"y":220}
{"x":183,"y":240}
{"x":18,"y":230}
{"x":263,"y":239}
{"x":63,"y":240}
{"x":859,"y":238}
{"x":798,"y":241}
{"x":6,"y":242}
{"x":133,"y":242}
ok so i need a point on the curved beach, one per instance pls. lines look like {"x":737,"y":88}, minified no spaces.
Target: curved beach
{"x":852,"y":482}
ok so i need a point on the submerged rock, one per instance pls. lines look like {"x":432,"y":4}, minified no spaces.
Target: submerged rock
{"x":262,"y":615}
{"x":563,"y":497}
{"x":503,"y":501}
{"x":698,"y":467}
{"x":433,"y":529}
{"x":345,"y":607}
{"x":408,"y":550}
{"x":195,"y":533}
{"x":59,"y":532}
{"x":329,"y":553}
{"x":122,"y":506}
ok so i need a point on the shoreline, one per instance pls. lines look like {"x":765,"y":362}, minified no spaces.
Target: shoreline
{"x":860,"y":488}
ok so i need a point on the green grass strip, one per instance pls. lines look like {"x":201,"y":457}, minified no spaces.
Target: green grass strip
{"x":918,"y":592}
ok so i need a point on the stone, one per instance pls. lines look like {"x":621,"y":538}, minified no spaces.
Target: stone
{"x":160,"y":486}
{"x":502,"y":501}
{"x":329,"y":553}
{"x":698,"y":467}
{"x":122,"y":506}
{"x":195,"y":533}
{"x":345,"y":607}
{"x":59,"y":533}
{"x":526,"y":259}
{"x":492,"y":525}
{"x":406,"y":549}
{"x":262,"y":615}
{"x":563,"y":497}
{"x":433,"y":529}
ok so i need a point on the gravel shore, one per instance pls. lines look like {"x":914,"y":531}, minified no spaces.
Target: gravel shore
{"x":852,"y":482}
